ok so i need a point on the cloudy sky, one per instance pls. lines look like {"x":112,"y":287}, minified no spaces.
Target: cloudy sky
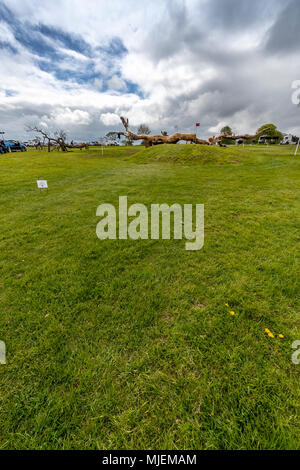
{"x":80,"y":64}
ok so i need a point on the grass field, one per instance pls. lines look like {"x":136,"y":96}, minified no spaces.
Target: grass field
{"x":129,"y":344}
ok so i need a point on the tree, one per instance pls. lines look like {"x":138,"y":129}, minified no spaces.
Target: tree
{"x":61,"y":137}
{"x":228,"y":131}
{"x":58,"y":139}
{"x":143,"y":129}
{"x":37,"y":143}
{"x":112,"y":136}
{"x":270,"y":130}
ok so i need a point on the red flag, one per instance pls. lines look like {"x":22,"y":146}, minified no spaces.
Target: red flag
{"x":197,"y":124}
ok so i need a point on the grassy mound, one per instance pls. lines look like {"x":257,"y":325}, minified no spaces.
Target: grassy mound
{"x":128,"y":343}
{"x":187,"y":154}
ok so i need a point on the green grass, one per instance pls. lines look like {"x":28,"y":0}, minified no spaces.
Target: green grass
{"x":128,"y":344}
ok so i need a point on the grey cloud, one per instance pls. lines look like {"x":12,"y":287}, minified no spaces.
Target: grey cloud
{"x":284,"y":35}
{"x":204,"y":28}
{"x":240,"y":15}
{"x":210,"y":36}
{"x":166,"y":37}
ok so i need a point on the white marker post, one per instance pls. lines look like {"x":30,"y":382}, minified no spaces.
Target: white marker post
{"x":102,"y":142}
{"x":296,"y":151}
{"x":2,"y":352}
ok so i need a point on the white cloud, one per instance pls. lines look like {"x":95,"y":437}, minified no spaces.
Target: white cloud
{"x":216,"y":129}
{"x":63,"y":117}
{"x":116,"y":83}
{"x":6,"y":34}
{"x":110,"y":119}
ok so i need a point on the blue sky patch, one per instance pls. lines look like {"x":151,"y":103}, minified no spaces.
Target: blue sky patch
{"x":46,"y":44}
{"x":4,"y":45}
{"x":67,"y":40}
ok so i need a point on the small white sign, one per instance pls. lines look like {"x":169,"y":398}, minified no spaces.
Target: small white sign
{"x":42,"y":184}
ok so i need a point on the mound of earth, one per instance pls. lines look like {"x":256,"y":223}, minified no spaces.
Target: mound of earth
{"x":187,"y":154}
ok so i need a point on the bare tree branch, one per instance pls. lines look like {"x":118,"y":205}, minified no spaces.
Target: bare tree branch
{"x":59,"y":138}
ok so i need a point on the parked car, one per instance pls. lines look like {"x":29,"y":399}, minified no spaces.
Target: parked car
{"x":14,"y":146}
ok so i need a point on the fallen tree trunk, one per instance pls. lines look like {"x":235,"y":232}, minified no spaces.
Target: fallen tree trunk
{"x":164,"y":138}
{"x":243,"y":137}
{"x":159,"y":138}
